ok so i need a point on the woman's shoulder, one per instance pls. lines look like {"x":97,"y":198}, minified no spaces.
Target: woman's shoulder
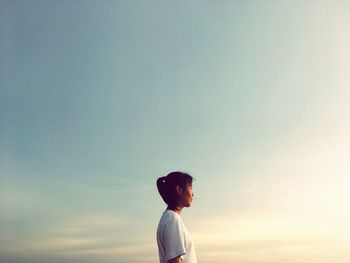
{"x":170,"y":221}
{"x":170,"y":216}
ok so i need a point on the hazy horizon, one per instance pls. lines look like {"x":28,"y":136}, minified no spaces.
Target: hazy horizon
{"x":100,"y":98}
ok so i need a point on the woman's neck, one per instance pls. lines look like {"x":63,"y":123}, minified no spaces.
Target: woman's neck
{"x":176,"y":209}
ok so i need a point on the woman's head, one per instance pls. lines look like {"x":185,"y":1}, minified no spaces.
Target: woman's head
{"x":176,"y":189}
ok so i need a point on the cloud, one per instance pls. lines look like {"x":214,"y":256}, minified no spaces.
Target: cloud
{"x":270,"y":239}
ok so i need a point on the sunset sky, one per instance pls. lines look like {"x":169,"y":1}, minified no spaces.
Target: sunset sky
{"x":100,"y":98}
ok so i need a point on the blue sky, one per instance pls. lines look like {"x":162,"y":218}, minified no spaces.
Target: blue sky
{"x":99,"y":98}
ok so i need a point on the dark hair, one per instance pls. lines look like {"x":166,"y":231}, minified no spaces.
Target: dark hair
{"x":167,"y":186}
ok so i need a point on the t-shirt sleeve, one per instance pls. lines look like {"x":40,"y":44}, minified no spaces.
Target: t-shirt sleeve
{"x":174,"y":239}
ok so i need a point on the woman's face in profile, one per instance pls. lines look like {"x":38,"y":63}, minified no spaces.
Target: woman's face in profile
{"x":187,"y":195}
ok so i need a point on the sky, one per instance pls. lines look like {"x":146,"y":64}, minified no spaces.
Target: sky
{"x":100,"y":98}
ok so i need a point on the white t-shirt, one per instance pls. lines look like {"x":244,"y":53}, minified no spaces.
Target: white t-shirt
{"x":173,"y":239}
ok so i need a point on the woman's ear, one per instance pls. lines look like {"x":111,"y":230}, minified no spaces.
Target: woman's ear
{"x":179,"y":190}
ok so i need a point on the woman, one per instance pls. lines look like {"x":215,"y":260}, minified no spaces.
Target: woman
{"x":174,"y":241}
